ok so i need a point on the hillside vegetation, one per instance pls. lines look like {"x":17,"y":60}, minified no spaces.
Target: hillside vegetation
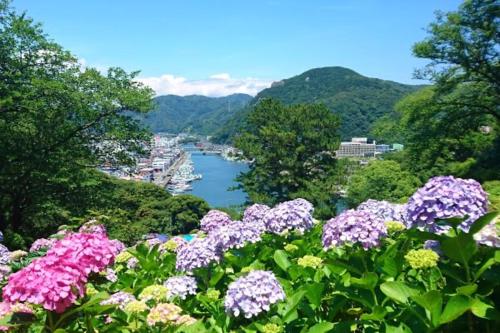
{"x":195,"y":114}
{"x":358,"y":100}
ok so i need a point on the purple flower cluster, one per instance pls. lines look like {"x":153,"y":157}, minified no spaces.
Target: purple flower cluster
{"x":252,"y":294}
{"x":93,"y":227}
{"x":446,"y":197}
{"x":213,"y":220}
{"x":42,"y":244}
{"x":489,"y":235}
{"x":4,"y":255}
{"x":288,"y":216}
{"x":383,"y":209}
{"x":235,"y":235}
{"x":255,"y":213}
{"x":120,"y":298}
{"x":354,"y":226}
{"x":180,"y":286}
{"x":200,"y":252}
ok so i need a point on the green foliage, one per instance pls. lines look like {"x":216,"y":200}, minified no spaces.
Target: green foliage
{"x":358,"y":100}
{"x":57,"y":121}
{"x":352,"y":289}
{"x":452,"y":128}
{"x":493,"y":189}
{"x":381,"y":180}
{"x":194,"y":114}
{"x":292,"y":152}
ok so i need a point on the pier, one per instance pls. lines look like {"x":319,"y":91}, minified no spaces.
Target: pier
{"x":163,"y":178}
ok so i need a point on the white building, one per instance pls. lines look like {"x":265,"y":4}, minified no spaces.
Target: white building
{"x":357,"y":147}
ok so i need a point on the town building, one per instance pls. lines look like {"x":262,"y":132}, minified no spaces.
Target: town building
{"x":357,"y":147}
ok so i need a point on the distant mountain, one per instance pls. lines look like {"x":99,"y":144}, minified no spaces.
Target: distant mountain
{"x":195,"y":114}
{"x":357,"y":99}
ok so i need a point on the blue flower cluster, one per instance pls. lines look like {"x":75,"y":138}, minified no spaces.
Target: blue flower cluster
{"x":180,"y":286}
{"x":384,"y":210}
{"x":199,"y":253}
{"x":213,"y":220}
{"x":289,"y":216}
{"x":354,"y":226}
{"x":251,"y":294}
{"x":446,"y":197}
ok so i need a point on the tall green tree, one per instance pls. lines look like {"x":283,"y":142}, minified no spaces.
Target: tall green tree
{"x":453,"y":126}
{"x":57,"y":121}
{"x":292,"y":152}
{"x":381,"y":180}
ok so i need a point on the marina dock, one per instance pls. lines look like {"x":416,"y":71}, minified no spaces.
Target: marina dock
{"x":163,"y":178}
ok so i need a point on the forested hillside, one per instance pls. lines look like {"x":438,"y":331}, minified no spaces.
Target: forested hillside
{"x":196,"y":114}
{"x":357,"y":99}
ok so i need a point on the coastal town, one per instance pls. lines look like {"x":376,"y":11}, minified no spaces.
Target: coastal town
{"x":169,"y":163}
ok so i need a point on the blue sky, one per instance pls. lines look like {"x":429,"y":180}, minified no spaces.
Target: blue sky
{"x":222,"y":46}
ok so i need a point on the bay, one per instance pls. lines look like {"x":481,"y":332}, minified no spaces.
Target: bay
{"x":218,"y":176}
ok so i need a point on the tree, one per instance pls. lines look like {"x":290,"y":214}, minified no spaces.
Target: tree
{"x":185,"y":212}
{"x":381,"y":180}
{"x":57,"y":122}
{"x":292,"y":149}
{"x":453,"y":126}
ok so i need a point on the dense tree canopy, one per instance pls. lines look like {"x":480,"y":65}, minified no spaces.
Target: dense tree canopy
{"x":57,"y":121}
{"x":292,"y":152}
{"x":453,"y":126}
{"x":381,"y":180}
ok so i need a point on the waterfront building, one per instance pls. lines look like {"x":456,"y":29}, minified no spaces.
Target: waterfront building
{"x":357,"y":147}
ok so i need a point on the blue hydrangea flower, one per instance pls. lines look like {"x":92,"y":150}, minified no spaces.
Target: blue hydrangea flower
{"x":1,"y":237}
{"x":198,"y":253}
{"x":489,"y":235}
{"x":120,"y":298}
{"x":4,"y":255}
{"x":213,"y":220}
{"x":255,"y":212}
{"x":180,"y":286}
{"x":354,"y":226}
{"x":384,"y":210}
{"x":288,"y":216}
{"x":252,"y":294}
{"x":235,"y":235}
{"x":446,"y":197}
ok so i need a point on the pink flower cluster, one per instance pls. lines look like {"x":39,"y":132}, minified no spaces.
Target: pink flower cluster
{"x":57,"y":279}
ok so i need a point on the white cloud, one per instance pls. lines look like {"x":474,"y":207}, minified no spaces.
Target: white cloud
{"x":221,"y":84}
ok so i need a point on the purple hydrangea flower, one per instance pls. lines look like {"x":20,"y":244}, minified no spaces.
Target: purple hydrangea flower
{"x":288,"y":216}
{"x":255,"y":213}
{"x":118,"y":245}
{"x":433,"y":245}
{"x":446,"y":197}
{"x":4,"y":272}
{"x":132,"y":263}
{"x":235,"y":235}
{"x":120,"y":298}
{"x":354,"y":226}
{"x":198,"y":253}
{"x":489,"y":235}
{"x":93,"y":227}
{"x":180,"y":286}
{"x":42,"y":244}
{"x":4,"y":255}
{"x":252,"y":294}
{"x":110,"y":275}
{"x":384,"y":210}
{"x":213,"y":220}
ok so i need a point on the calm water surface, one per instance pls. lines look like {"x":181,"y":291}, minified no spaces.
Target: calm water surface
{"x":218,"y":177}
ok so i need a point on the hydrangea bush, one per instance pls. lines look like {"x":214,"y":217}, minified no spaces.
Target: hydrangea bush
{"x":273,"y":271}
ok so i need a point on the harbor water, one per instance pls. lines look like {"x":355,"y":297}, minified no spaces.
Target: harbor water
{"x":218,"y":176}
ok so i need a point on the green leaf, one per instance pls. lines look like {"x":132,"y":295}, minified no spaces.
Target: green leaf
{"x":455,"y":307}
{"x":481,"y":222}
{"x":402,"y":328}
{"x":398,"y":291}
{"x":291,"y":305}
{"x":483,"y":310}
{"x":378,"y":313}
{"x":281,"y":259}
{"x":314,"y":293}
{"x":467,"y":290}
{"x":432,"y":302}
{"x":367,"y":281}
{"x":219,"y":273}
{"x":321,"y":327}
{"x":460,"y":248}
